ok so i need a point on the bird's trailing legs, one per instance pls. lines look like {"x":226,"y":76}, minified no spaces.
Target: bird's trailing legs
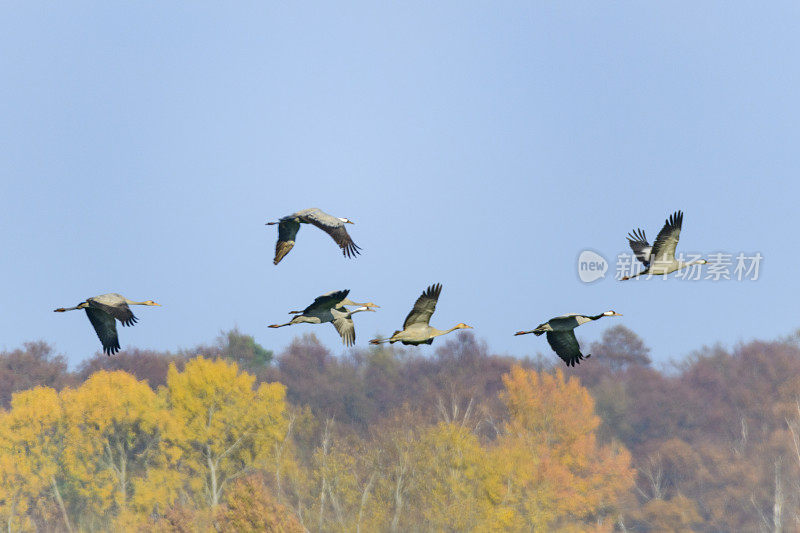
{"x":81,"y":305}
{"x":540,"y":330}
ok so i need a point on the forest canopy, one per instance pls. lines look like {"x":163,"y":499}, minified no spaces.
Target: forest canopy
{"x":233,"y":437}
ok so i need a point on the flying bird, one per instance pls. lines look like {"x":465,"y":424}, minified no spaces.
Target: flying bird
{"x":659,"y":258}
{"x":330,"y":307}
{"x":416,"y":329}
{"x":288,"y":227}
{"x":561,"y":335}
{"x":103,"y":312}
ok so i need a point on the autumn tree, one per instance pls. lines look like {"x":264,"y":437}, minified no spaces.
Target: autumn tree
{"x":556,"y":475}
{"x":251,"y":507}
{"x":345,"y":471}
{"x":396,"y":437}
{"x":31,"y":443}
{"x":115,"y":453}
{"x":225,"y":427}
{"x":457,"y":487}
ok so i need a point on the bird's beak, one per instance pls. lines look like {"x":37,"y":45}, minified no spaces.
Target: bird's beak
{"x":617,"y":314}
{"x":350,"y":222}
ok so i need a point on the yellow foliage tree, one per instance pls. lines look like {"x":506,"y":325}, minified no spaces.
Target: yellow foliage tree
{"x":31,"y":438}
{"x":115,"y":453}
{"x":556,"y":475}
{"x":344,"y":475}
{"x":225,"y":427}
{"x":456,"y":488}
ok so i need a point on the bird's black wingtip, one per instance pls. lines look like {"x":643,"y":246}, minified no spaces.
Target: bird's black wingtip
{"x":637,"y":235}
{"x":110,"y":350}
{"x":433,"y":291}
{"x":351,"y":250}
{"x":676,"y":219}
{"x":576,"y":360}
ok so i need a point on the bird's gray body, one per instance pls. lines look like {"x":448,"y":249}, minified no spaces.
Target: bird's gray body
{"x":416,"y":328}
{"x":566,"y":322}
{"x":416,"y":334}
{"x":289,"y":225}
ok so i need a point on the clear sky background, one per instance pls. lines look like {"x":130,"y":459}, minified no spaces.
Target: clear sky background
{"x":481,"y":145}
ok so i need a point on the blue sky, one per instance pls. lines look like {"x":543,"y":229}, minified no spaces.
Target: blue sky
{"x":479,"y":145}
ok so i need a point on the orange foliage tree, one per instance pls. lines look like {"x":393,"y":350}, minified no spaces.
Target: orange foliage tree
{"x":252,"y":507}
{"x":557,"y":476}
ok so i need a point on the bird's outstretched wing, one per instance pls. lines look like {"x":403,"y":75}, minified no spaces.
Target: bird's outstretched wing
{"x":566,"y":346}
{"x":328,"y":300}
{"x":106,"y":328}
{"x":667,"y":240}
{"x":119,"y":310}
{"x":424,"y":306}
{"x":333,"y":227}
{"x":287,"y":230}
{"x":641,"y":248}
{"x":346,"y":329}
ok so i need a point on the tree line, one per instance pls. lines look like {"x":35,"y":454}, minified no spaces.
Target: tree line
{"x":232,"y":437}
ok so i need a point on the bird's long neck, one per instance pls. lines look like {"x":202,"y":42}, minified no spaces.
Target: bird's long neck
{"x":596,"y":317}
{"x":682,"y":264}
{"x":354,"y":311}
{"x":439,"y":333}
